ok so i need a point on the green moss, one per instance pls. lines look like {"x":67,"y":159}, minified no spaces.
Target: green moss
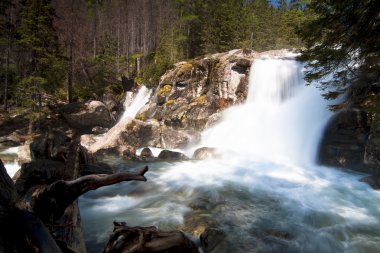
{"x":141,"y":116}
{"x":201,"y":100}
{"x":184,"y":68}
{"x":170,"y":102}
{"x":165,"y":90}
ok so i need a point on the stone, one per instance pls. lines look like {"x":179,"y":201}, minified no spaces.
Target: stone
{"x":24,"y":153}
{"x":52,"y":145}
{"x":172,"y":156}
{"x":204,"y":153}
{"x":213,"y":240}
{"x":372,"y":148}
{"x":85,"y":117}
{"x":147,"y":153}
{"x":344,"y":139}
{"x":99,"y":130}
{"x":373,"y":181}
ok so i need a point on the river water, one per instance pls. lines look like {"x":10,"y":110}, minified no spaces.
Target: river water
{"x":264,"y":191}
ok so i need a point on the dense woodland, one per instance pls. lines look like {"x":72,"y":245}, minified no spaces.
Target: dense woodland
{"x":75,"y":50}
{"x":58,"y":50}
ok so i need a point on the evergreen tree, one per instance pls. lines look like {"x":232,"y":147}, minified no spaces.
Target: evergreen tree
{"x":343,"y":41}
{"x":42,"y":65}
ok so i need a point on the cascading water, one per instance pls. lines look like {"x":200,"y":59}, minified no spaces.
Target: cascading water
{"x":130,"y":112}
{"x":264,"y":192}
{"x":281,"y":120}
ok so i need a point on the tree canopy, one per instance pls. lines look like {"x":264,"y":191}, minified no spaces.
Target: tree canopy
{"x":342,"y":43}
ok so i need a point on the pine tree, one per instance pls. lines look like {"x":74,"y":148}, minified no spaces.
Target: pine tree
{"x":343,"y":41}
{"x":42,"y":65}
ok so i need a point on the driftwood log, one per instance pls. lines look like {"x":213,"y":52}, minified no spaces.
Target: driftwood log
{"x":23,"y":218}
{"x":125,"y":239}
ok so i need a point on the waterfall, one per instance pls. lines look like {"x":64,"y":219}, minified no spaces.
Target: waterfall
{"x":281,"y":120}
{"x":130,"y":111}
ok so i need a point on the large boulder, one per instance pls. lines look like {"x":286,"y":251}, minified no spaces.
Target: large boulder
{"x":51,"y":145}
{"x":192,"y":92}
{"x":372,"y":148}
{"x":213,"y":240}
{"x":85,"y":117}
{"x":169,"y":155}
{"x":344,"y":140}
{"x":204,"y":153}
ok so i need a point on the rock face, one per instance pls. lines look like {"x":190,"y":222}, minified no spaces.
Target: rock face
{"x":352,"y":137}
{"x":141,"y":134}
{"x":192,"y":93}
{"x":344,"y":140}
{"x":87,"y":116}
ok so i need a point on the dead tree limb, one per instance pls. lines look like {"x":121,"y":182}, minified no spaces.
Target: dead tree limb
{"x":125,"y":239}
{"x":50,"y":203}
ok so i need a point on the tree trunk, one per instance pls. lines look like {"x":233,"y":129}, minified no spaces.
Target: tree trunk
{"x":69,"y":95}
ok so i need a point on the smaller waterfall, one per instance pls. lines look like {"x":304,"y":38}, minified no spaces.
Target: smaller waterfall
{"x":130,"y":112}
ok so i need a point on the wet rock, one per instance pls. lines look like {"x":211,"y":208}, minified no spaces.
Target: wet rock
{"x":99,"y":130}
{"x":110,"y":102}
{"x":172,"y":156}
{"x":52,"y":145}
{"x":373,"y":181}
{"x":24,"y":153}
{"x":372,"y":148}
{"x":12,"y":140}
{"x":125,"y":151}
{"x":86,"y":116}
{"x":204,"y":153}
{"x":213,"y":240}
{"x":146,"y":153}
{"x":344,"y":140}
{"x":86,"y":140}
{"x":196,"y":222}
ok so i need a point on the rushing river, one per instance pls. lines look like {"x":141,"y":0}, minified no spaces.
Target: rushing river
{"x":265,"y":191}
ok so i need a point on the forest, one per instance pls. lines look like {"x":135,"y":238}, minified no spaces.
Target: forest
{"x":76,"y":50}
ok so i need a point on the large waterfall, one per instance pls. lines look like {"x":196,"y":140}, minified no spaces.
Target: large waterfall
{"x":264,"y":192}
{"x":281,"y":120}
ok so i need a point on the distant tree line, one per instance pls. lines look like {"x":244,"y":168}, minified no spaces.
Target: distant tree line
{"x":71,"y":50}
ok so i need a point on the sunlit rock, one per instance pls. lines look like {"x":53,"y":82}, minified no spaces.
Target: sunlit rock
{"x":172,"y":156}
{"x":204,"y":153}
{"x":86,"y":116}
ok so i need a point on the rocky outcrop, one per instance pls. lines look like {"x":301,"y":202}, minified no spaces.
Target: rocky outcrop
{"x":191,"y":95}
{"x":85,"y":117}
{"x":141,"y":134}
{"x":344,"y":140}
{"x":352,"y":136}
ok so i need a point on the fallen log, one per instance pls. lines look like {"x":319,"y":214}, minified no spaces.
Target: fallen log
{"x":125,"y":239}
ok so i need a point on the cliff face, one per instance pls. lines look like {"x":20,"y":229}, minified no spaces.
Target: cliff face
{"x":191,"y":95}
{"x":352,"y":137}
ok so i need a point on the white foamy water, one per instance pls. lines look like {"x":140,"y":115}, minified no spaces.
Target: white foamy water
{"x":11,"y":160}
{"x":130,"y":112}
{"x":266,"y":179}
